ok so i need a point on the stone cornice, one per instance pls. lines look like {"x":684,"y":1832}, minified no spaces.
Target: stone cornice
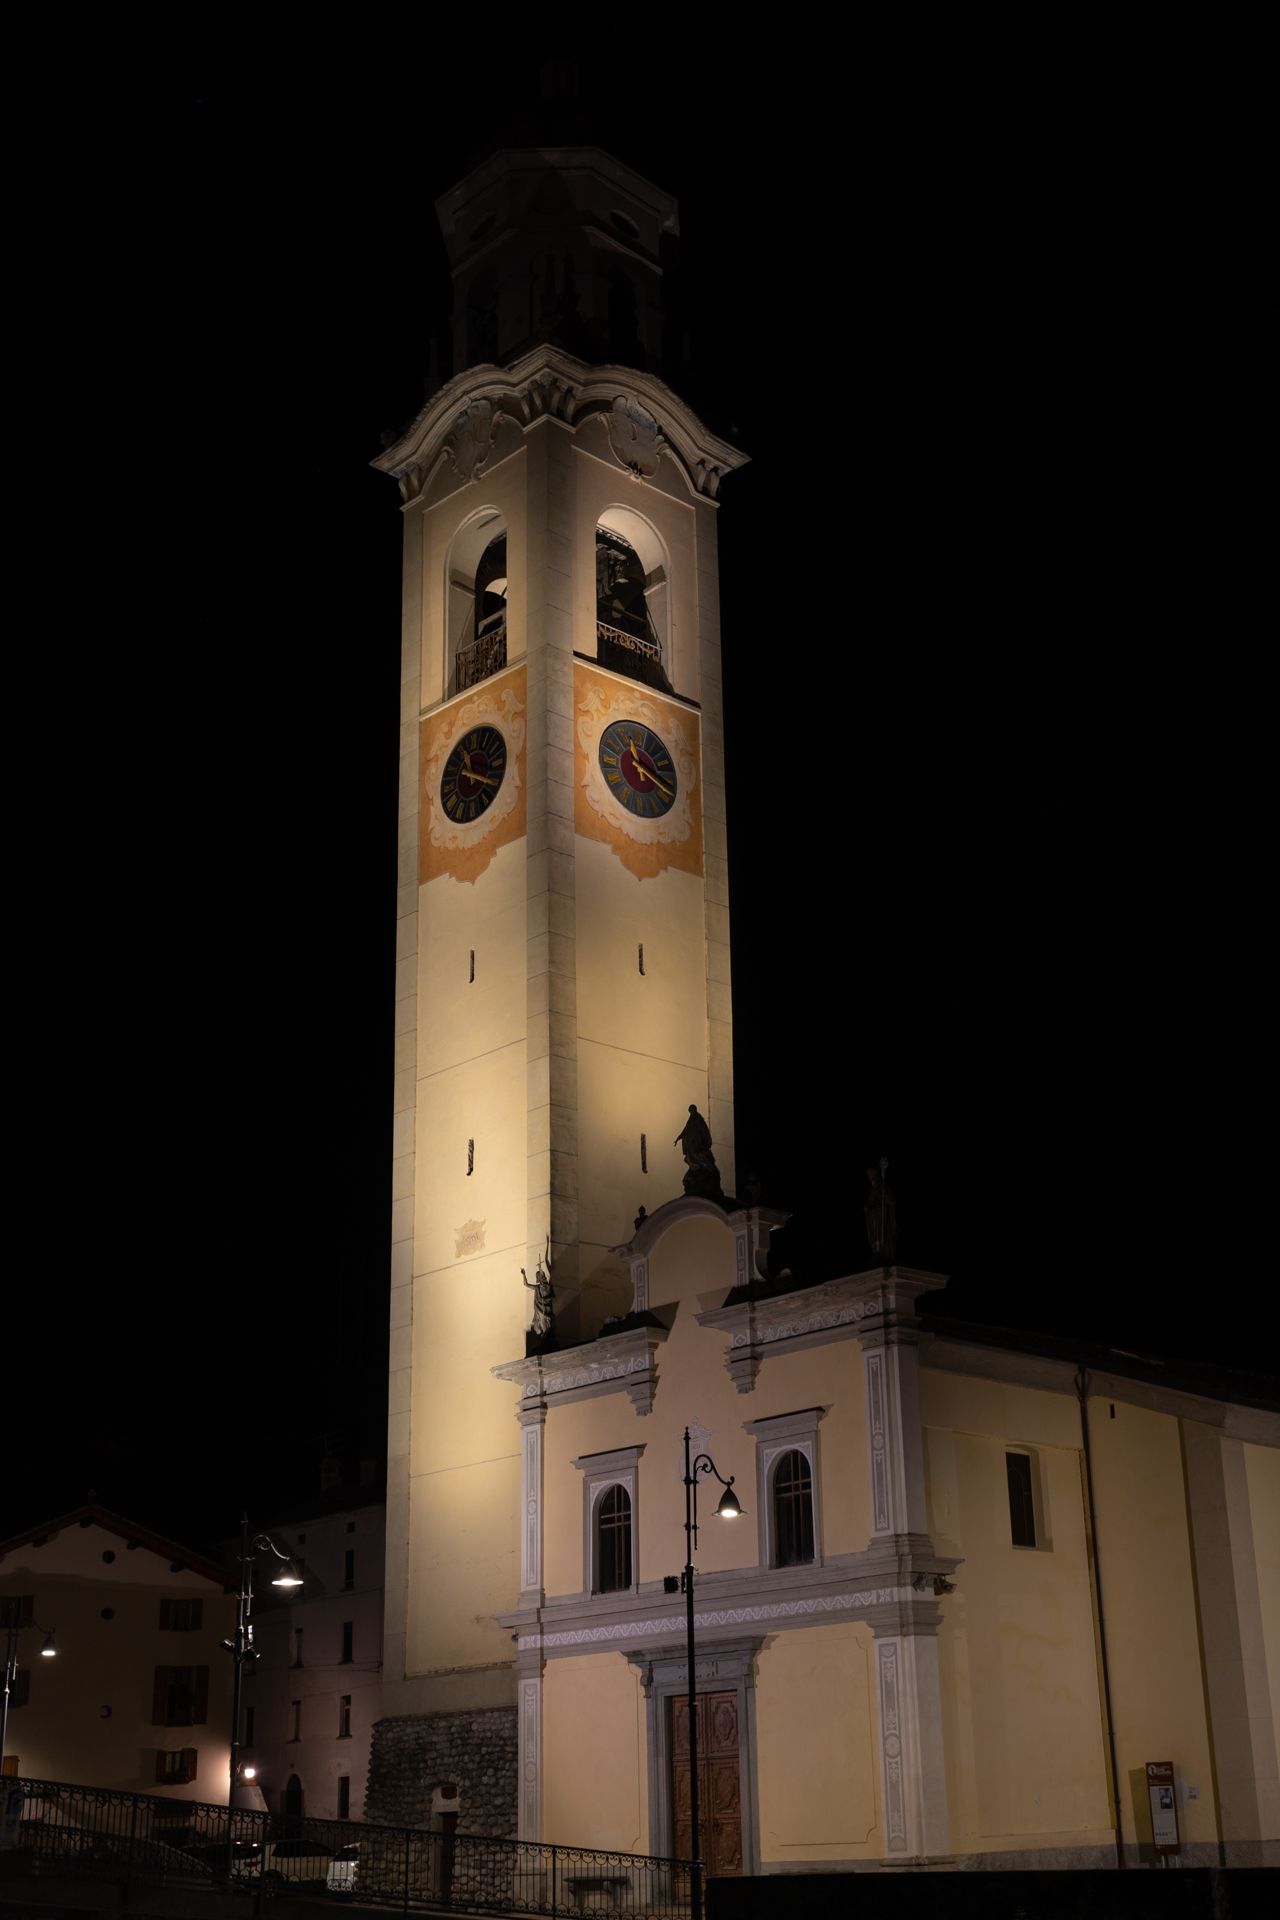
{"x":759,"y":1325}
{"x":946,"y":1354}
{"x":887,"y":1586}
{"x":460,"y":421}
{"x":615,"y":1363}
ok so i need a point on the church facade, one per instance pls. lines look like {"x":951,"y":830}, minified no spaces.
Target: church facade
{"x":902,"y":1652}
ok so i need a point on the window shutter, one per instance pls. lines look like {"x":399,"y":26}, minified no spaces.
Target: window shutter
{"x":196,"y":1613}
{"x":200,"y":1708}
{"x":160,"y":1760}
{"x":191,"y":1755}
{"x":160,"y":1698}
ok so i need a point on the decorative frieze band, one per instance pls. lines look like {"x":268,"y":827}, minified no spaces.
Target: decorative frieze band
{"x":767,"y":1613}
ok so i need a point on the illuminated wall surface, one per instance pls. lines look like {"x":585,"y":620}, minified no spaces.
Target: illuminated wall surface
{"x":94,"y":1715}
{"x":914,"y":1685}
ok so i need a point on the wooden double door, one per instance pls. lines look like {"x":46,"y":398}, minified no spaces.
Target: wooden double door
{"x":719,"y":1783}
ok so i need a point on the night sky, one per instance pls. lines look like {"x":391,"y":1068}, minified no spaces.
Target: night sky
{"x":994,"y":871}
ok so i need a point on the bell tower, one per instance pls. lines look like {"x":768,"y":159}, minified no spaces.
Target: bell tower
{"x":562,"y":986}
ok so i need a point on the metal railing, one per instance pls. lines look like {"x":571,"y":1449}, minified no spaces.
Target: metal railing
{"x":484,"y":655}
{"x":50,"y":1827}
{"x":629,"y":642}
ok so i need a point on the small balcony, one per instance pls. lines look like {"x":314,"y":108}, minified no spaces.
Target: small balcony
{"x":629,"y":653}
{"x":484,"y":655}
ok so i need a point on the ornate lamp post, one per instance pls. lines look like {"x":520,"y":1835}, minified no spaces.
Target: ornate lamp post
{"x":48,"y":1652}
{"x":242,"y":1647}
{"x":728,"y":1509}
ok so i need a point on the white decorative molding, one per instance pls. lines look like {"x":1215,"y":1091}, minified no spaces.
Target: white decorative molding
{"x":545,"y":383}
{"x":613,"y":1632}
{"x":640,"y":1286}
{"x":760,"y":1320}
{"x":531,"y":1502}
{"x":878,"y":1437}
{"x":619,"y":1363}
{"x":635,"y":437}
{"x":895,"y":1810}
{"x":530,"y":1758}
{"x":471,"y":438}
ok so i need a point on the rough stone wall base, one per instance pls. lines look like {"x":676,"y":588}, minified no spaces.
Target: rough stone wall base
{"x":414,"y":1754}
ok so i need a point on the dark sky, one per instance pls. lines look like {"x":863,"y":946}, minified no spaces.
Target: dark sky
{"x":998,"y":914}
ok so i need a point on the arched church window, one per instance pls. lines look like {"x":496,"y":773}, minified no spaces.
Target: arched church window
{"x":478,"y":611}
{"x":613,"y":1541}
{"x":793,"y":1510}
{"x":626,"y":635}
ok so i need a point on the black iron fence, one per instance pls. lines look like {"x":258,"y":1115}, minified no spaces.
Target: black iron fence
{"x":135,"y":1838}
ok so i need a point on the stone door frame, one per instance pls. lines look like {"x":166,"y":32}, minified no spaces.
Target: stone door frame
{"x":727,"y":1666}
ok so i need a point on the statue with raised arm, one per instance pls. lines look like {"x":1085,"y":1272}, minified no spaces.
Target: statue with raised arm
{"x":702,"y":1175}
{"x":543,"y":1297}
{"x":881,"y":1215}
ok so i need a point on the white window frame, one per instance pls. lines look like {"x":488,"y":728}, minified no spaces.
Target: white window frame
{"x":776,"y":1435}
{"x":619,"y":1467}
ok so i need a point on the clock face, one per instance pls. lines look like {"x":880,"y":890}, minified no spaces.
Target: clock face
{"x":640,"y":772}
{"x":472,"y":774}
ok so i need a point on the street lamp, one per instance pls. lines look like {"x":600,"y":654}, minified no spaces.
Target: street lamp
{"x":242,"y":1647}
{"x":47,"y":1652}
{"x":728,"y":1509}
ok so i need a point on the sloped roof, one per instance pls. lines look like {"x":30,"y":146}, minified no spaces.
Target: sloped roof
{"x":158,"y":1543}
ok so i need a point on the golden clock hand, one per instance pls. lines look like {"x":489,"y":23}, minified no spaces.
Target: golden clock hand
{"x":642,"y":769}
{"x":471,"y":774}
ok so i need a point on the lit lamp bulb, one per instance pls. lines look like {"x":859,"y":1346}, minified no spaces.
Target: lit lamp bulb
{"x":251,"y":1773}
{"x":288,"y":1576}
{"x":729,"y":1508}
{"x":48,"y":1651}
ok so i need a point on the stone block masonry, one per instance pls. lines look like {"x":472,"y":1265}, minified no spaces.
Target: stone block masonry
{"x":414,"y":1754}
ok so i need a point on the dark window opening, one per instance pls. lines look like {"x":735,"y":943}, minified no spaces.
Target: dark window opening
{"x":17,"y":1610}
{"x":20,"y":1689}
{"x":349,"y":1569}
{"x":181,"y":1616}
{"x":344,"y":1796}
{"x":348,"y":1640}
{"x":344,"y":1716}
{"x":793,"y":1510}
{"x":613,"y":1542}
{"x":626,"y":640}
{"x":1022,"y":1512}
{"x":180,"y":1697}
{"x":482,"y":641}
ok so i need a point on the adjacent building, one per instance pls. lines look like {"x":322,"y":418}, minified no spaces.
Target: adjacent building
{"x":139,"y":1693}
{"x":314,"y":1694}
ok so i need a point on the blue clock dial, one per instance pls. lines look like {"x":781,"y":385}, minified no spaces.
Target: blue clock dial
{"x":639,"y":771}
{"x":473,"y":774}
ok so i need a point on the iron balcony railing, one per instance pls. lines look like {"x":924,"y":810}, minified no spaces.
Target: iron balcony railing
{"x":608,"y":636}
{"x":49,"y":1828}
{"x":484,"y":655}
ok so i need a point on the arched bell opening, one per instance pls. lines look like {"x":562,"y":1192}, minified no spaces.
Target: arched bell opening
{"x":477,"y":602}
{"x":632,"y":621}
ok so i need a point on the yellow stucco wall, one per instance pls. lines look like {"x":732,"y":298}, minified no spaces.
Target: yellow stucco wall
{"x":818,"y":1769}
{"x":1023,"y":1727}
{"x":464,"y":1557}
{"x":690,"y":1268}
{"x":594,"y":1765}
{"x":1262,"y":1468}
{"x":1149,"y":1601}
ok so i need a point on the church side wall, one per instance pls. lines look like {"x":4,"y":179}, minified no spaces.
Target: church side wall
{"x":818,"y":1768}
{"x":1150,"y":1609}
{"x":1262,"y":1471}
{"x":1026,"y":1765}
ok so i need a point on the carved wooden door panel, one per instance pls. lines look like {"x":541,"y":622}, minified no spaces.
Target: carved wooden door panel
{"x":719,"y":1783}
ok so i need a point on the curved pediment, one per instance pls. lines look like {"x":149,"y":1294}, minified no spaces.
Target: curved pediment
{"x":646,"y":422}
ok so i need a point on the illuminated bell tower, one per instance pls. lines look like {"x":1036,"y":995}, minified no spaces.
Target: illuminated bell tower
{"x":562,"y":986}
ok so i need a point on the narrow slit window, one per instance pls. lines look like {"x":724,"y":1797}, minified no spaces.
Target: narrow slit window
{"x":644,"y":1153}
{"x":640,"y":956}
{"x":472,"y":973}
{"x":471,"y":1157}
{"x":1022,"y":1512}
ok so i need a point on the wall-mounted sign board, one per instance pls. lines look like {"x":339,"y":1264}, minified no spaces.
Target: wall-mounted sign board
{"x":1164,"y":1811}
